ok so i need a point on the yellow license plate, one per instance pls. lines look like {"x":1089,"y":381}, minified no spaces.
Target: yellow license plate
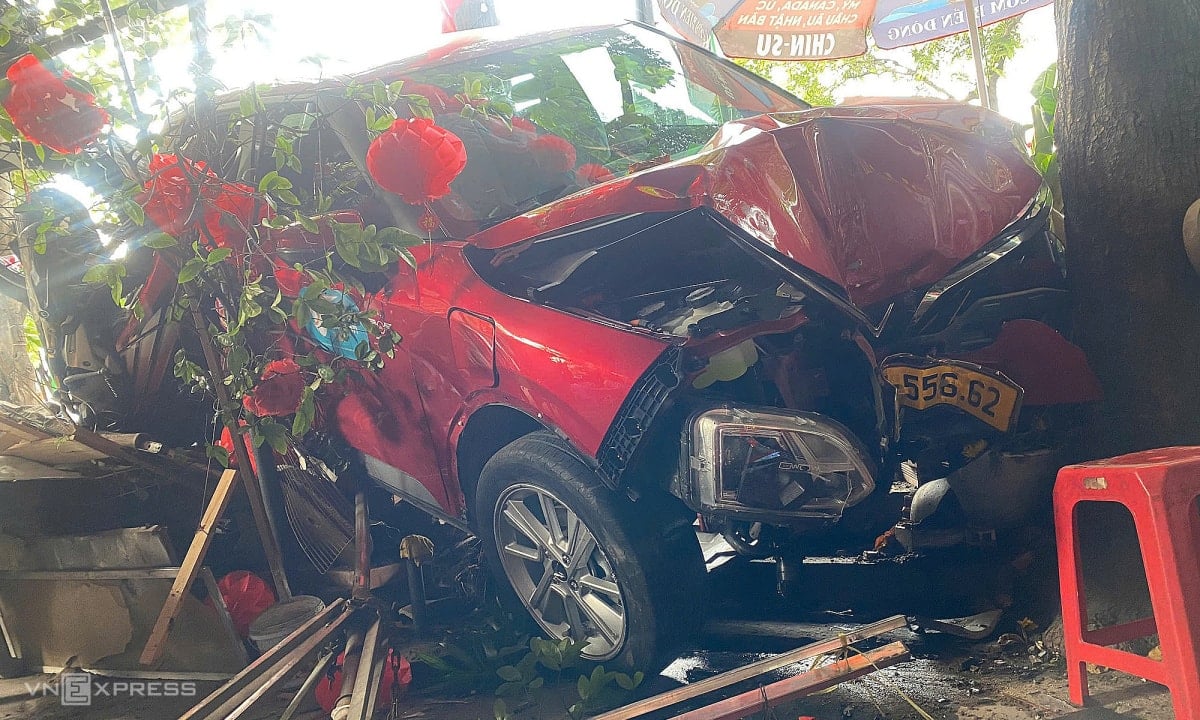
{"x":922,"y":383}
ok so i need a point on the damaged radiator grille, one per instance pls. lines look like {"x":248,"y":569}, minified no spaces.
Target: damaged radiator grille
{"x":636,"y":414}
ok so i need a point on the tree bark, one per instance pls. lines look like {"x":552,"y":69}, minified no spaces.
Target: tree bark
{"x":1128,"y":132}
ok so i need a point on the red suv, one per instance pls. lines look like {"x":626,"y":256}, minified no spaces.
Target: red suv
{"x":667,"y":296}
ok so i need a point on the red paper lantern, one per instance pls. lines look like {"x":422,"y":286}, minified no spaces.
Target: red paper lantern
{"x":50,"y":112}
{"x":171,"y":192}
{"x":593,"y":174}
{"x":246,"y":596}
{"x":279,"y":391}
{"x":553,"y":153}
{"x":416,"y":160}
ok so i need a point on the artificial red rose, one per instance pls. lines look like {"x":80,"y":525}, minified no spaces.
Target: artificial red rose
{"x":520,"y":123}
{"x":519,"y":129}
{"x":593,"y":174}
{"x":279,"y":390}
{"x":416,"y":160}
{"x":229,"y":215}
{"x":50,"y":112}
{"x":289,"y":280}
{"x":553,"y":153}
{"x":171,"y":192}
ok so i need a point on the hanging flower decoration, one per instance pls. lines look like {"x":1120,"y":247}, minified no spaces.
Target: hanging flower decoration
{"x":553,"y":153}
{"x":416,"y":160}
{"x":278,"y":392}
{"x":50,"y":112}
{"x":289,"y":280}
{"x":593,"y":174}
{"x":229,"y":215}
{"x":175,"y":184}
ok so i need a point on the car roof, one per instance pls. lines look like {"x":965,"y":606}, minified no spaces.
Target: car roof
{"x":471,"y":44}
{"x":462,"y":46}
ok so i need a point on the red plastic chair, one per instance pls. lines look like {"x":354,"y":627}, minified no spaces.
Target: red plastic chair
{"x":1160,"y":489}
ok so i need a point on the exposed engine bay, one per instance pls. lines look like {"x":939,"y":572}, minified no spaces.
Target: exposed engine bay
{"x":675,"y":274}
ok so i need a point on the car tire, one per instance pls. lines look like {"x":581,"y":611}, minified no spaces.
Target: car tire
{"x":637,"y":592}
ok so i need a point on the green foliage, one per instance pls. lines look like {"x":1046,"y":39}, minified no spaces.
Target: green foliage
{"x":1045,"y":105}
{"x":492,"y":658}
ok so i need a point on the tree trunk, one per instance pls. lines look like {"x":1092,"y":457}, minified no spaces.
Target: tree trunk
{"x":1128,"y":132}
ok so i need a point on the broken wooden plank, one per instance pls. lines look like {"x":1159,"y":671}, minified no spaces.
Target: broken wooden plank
{"x":243,"y":689}
{"x":190,"y":567}
{"x":753,"y":670}
{"x":762,"y":699}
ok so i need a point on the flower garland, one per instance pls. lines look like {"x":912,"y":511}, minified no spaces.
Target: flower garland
{"x":50,"y":112}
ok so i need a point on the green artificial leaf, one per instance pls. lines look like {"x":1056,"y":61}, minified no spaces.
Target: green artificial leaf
{"x":160,"y":241}
{"x":191,"y":270}
{"x":218,"y":255}
{"x":218,"y":453}
{"x":274,"y":434}
{"x":305,"y":413}
{"x":509,"y":673}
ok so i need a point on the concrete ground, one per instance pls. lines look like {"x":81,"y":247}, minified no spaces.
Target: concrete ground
{"x":970,"y":683}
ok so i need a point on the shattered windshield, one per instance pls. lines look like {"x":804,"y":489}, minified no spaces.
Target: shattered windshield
{"x":585,"y":109}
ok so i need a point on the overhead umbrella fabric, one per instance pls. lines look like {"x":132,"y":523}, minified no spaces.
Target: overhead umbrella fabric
{"x":827,"y":29}
{"x":907,"y":22}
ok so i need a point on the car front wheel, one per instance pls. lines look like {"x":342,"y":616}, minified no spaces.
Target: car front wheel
{"x":584,"y":561}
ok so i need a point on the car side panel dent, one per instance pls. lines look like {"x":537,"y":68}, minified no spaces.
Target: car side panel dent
{"x":569,"y":373}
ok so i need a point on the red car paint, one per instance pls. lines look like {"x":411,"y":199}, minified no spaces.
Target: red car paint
{"x":467,"y":345}
{"x":877,"y":199}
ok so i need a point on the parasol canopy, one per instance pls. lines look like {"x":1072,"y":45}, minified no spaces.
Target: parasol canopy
{"x":831,"y":29}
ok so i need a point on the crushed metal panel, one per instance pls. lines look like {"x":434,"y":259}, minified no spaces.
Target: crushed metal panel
{"x":56,"y":621}
{"x":104,"y":624}
{"x":141,"y":547}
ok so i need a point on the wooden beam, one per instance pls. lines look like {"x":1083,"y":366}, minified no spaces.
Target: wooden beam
{"x":251,"y":478}
{"x":189,"y":569}
{"x":753,"y":670}
{"x":762,"y":699}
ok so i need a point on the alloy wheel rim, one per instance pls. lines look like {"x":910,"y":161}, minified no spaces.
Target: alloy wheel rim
{"x":559,"y":571}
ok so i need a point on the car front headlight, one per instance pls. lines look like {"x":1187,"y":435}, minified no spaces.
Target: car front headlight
{"x":771,"y":464}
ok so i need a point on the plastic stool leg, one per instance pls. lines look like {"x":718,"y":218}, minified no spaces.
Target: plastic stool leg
{"x":1074,"y":603}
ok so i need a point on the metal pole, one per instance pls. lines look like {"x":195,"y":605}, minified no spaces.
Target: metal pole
{"x":981,"y":82}
{"x":645,"y":11}
{"x":362,"y":547}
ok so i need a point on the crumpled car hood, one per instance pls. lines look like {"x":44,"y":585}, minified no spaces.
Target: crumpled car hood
{"x":877,"y":199}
